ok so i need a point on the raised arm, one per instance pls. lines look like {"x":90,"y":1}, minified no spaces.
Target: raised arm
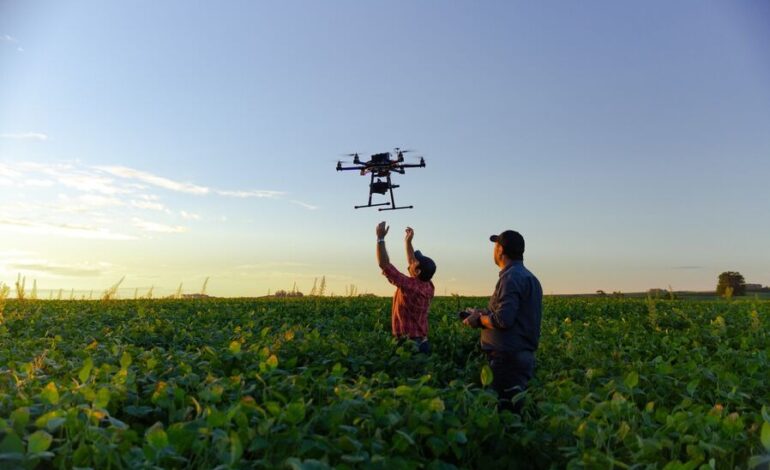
{"x":382,"y":254}
{"x":409,"y":249}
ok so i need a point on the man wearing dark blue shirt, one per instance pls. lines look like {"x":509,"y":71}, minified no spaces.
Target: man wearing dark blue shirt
{"x":510,"y":326}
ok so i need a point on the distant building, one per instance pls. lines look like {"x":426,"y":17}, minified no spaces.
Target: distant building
{"x":753,"y":287}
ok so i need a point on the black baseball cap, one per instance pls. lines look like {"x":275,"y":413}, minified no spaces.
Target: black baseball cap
{"x":427,"y":266}
{"x":511,"y":241}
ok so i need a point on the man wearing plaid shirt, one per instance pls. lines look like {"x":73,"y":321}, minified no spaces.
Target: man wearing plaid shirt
{"x":409,"y":317}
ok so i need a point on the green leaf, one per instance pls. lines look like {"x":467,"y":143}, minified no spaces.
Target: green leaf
{"x":125,"y":360}
{"x":156,"y":437}
{"x":295,"y":412}
{"x":85,"y":371}
{"x":437,"y":404}
{"x":20,"y":418}
{"x":403,"y":390}
{"x":632,"y":379}
{"x":102,"y":398}
{"x":457,"y":435}
{"x":406,"y":436}
{"x":486,"y":375}
{"x":50,"y":394}
{"x":273,"y":407}
{"x":45,"y":420}
{"x":692,"y":386}
{"x":11,"y":444}
{"x":39,"y":441}
{"x":308,"y":464}
{"x":765,"y":435}
{"x":236,"y":448}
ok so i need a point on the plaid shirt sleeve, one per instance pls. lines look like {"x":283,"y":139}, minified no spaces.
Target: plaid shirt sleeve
{"x":395,"y":277}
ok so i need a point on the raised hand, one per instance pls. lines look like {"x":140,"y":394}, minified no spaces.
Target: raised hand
{"x":382,"y":230}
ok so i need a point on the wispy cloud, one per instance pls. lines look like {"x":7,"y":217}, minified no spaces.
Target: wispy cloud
{"x":305,"y":205}
{"x":189,"y":215}
{"x":257,"y":193}
{"x":85,"y":202}
{"x":58,"y":269}
{"x":24,"y":136}
{"x":156,"y":227}
{"x":148,"y":205}
{"x":67,"y":230}
{"x":154,"y":180}
{"x":106,"y":202}
{"x":271,"y":265}
{"x":8,"y":38}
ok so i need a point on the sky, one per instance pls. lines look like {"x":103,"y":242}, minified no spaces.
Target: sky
{"x":170,"y":142}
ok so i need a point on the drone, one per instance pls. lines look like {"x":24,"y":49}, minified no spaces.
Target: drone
{"x":380,"y":166}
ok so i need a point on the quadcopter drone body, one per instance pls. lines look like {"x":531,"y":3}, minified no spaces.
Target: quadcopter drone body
{"x":380,"y":166}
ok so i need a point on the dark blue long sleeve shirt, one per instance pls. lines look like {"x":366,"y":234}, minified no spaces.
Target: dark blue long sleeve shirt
{"x":515,"y":311}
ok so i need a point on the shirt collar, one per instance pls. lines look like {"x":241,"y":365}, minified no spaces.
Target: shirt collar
{"x":510,"y":266}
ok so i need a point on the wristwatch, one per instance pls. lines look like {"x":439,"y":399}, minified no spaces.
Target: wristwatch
{"x":380,"y":240}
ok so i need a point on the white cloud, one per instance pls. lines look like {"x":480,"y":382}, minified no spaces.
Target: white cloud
{"x":88,"y":201}
{"x":257,"y":193}
{"x":271,"y":265}
{"x":156,"y":227}
{"x":189,"y":215}
{"x":67,"y":230}
{"x":8,"y":38}
{"x":305,"y":205}
{"x":101,"y":202}
{"x":57,"y":269}
{"x":24,"y":136}
{"x":6,"y":170}
{"x":154,"y":180}
{"x":86,"y":182}
{"x":148,"y":205}
{"x":20,"y":49}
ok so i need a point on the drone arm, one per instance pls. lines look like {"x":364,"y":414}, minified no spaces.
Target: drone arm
{"x":343,"y":168}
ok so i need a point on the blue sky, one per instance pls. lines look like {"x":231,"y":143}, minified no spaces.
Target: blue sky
{"x":173,"y":141}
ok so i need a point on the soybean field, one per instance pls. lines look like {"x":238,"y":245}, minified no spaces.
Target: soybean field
{"x":318,"y":382}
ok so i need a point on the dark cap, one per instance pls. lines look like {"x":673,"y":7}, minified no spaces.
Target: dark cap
{"x":427,"y":266}
{"x":511,"y":241}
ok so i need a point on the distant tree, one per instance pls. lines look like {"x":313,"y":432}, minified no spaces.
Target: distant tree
{"x":283,"y":293}
{"x":733,"y":280}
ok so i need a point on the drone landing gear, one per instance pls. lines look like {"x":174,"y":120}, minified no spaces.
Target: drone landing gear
{"x":372,"y":205}
{"x":381,"y":187}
